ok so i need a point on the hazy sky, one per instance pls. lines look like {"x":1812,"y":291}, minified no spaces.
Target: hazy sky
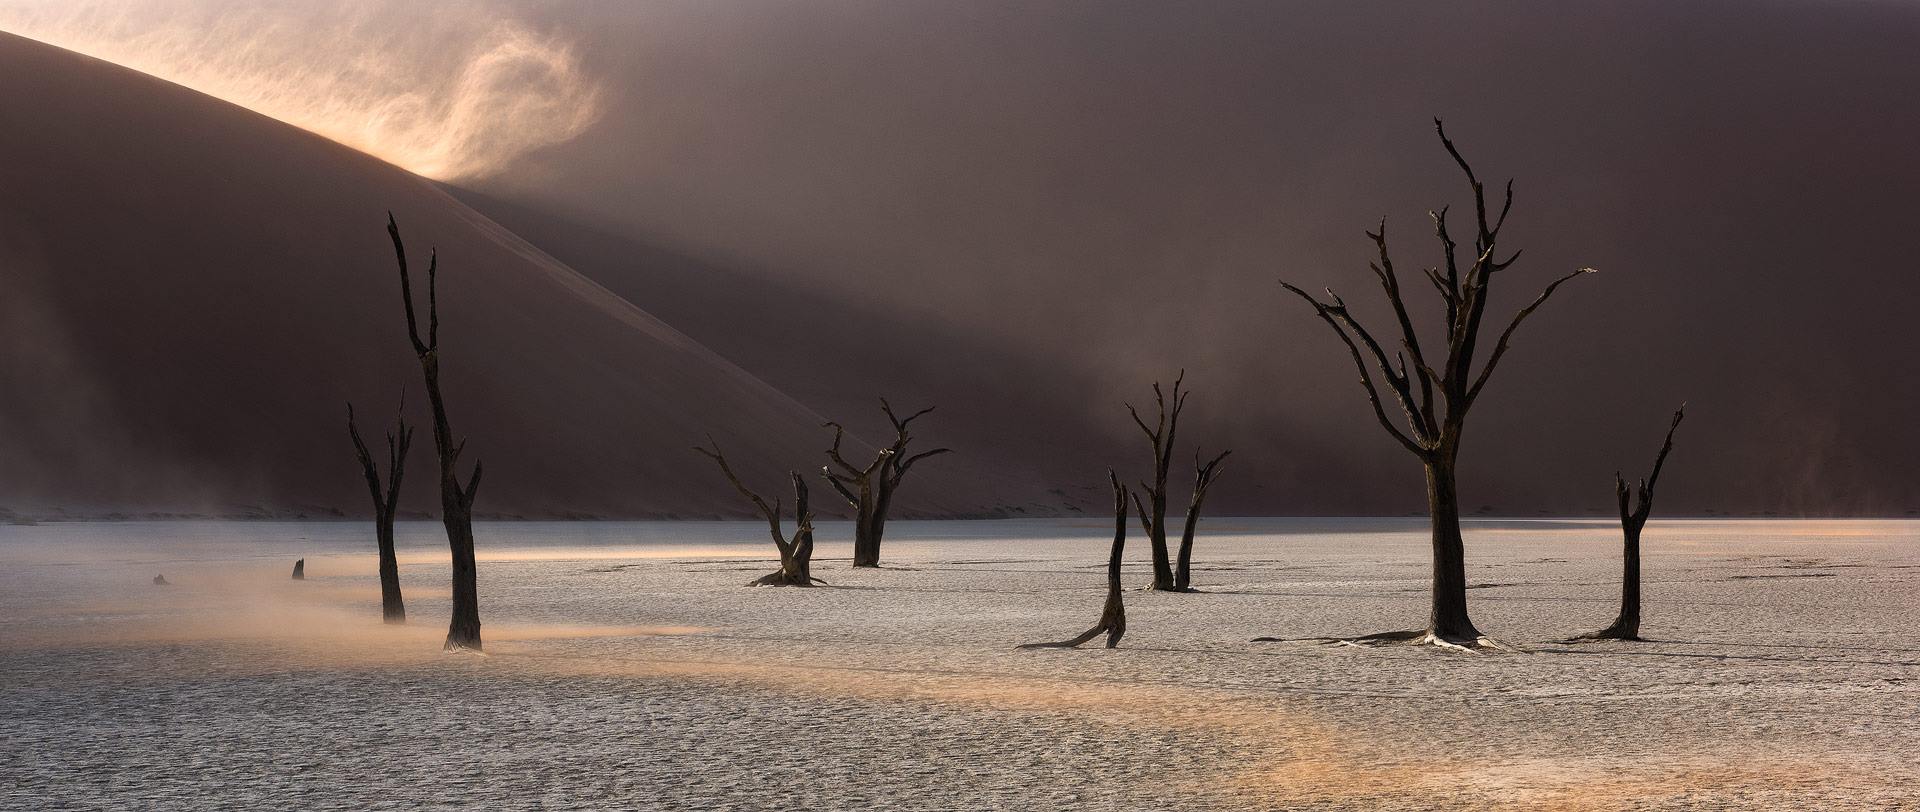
{"x":1114,"y":187}
{"x":1110,"y":189}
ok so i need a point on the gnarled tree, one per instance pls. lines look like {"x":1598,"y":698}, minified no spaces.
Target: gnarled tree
{"x":1113,"y":616}
{"x":1633,"y":518}
{"x":870,"y":488}
{"x":796,"y":554}
{"x":385,"y":501}
{"x":456,"y":500}
{"x":1434,"y":399}
{"x":1153,"y":513}
{"x":1203,"y":477}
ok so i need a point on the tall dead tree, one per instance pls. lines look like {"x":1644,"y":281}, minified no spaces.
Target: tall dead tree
{"x":456,"y":500}
{"x":1153,"y":513}
{"x":1203,"y":477}
{"x":796,"y":554}
{"x":1113,"y":616}
{"x":385,"y":501}
{"x":1435,"y":400}
{"x":870,"y":488}
{"x":1633,"y":518}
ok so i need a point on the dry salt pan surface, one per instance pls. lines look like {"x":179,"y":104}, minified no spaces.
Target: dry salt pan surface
{"x":628,"y":667}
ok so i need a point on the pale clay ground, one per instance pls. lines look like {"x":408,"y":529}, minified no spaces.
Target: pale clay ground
{"x":629,"y":667}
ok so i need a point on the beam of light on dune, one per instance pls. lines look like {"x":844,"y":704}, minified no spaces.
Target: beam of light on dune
{"x":449,"y":92}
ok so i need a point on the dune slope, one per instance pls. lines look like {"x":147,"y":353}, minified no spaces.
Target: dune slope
{"x":192,"y":292}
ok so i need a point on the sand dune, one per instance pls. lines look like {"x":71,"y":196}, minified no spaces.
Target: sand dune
{"x":193,"y":291}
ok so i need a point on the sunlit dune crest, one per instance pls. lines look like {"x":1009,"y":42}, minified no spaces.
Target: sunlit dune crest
{"x":444,"y":95}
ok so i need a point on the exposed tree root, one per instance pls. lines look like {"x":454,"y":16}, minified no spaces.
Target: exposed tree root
{"x":1113,"y":615}
{"x":1113,"y":632}
{"x":1413,"y":637}
{"x":1614,"y":632}
{"x":783,"y":578}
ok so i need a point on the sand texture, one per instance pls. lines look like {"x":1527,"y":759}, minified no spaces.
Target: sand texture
{"x":629,"y":667}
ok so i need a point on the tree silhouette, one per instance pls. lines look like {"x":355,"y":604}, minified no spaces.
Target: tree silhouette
{"x":870,"y":488}
{"x":1203,"y":478}
{"x":796,"y":553}
{"x":1435,"y":400}
{"x":1153,"y":511}
{"x":1633,"y":517}
{"x":456,"y":500}
{"x":385,"y":501}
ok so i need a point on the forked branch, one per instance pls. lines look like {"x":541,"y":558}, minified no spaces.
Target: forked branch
{"x":796,"y":554}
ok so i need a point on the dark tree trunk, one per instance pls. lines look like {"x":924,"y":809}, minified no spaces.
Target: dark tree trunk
{"x":1113,"y":614}
{"x":456,"y":514}
{"x":456,"y":501}
{"x":1434,"y":394}
{"x":882,"y":504}
{"x":385,"y":502}
{"x":300,"y":570}
{"x":1203,"y":476}
{"x":866,"y":530}
{"x":869,"y":490}
{"x":1633,"y":519}
{"x":1627,"y":625}
{"x":463,"y":630}
{"x":393,"y":609}
{"x":796,"y":556}
{"x":1157,"y":540}
{"x":1183,"y":563}
{"x":1448,"y":619}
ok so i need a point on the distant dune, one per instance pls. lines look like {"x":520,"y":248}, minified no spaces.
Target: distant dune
{"x":192,"y":292}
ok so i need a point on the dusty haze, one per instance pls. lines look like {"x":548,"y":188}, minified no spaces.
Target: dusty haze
{"x":1025,"y":213}
{"x":446,"y":95}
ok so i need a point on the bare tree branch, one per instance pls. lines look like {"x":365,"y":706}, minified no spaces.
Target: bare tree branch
{"x":406,"y":286}
{"x":1500,"y":347}
{"x":1660,"y":461}
{"x":1366,"y":377}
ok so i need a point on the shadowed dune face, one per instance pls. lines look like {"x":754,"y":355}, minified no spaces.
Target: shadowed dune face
{"x":194,"y":291}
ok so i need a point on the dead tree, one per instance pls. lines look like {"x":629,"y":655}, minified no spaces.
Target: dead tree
{"x":796,"y":554}
{"x":456,"y":500}
{"x":1113,"y":616}
{"x":1633,"y":517}
{"x":385,"y":501}
{"x":870,"y":488}
{"x":1434,"y":400}
{"x":1203,"y":477}
{"x":1153,"y":513}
